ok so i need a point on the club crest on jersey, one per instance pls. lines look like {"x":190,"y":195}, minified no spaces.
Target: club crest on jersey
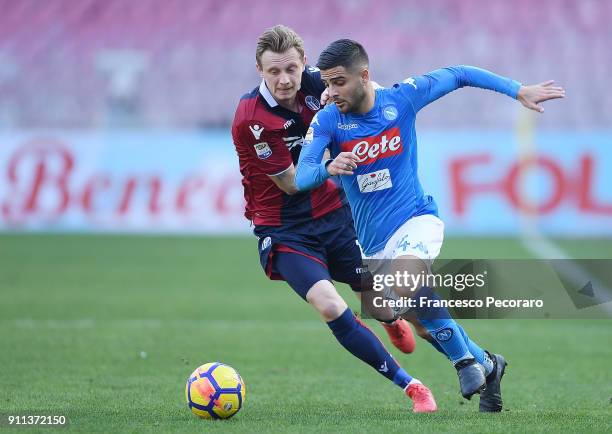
{"x":375,"y":181}
{"x":390,"y":112}
{"x":313,"y":103}
{"x":370,"y":149}
{"x":256,"y":130}
{"x":266,"y":243}
{"x":263,"y":150}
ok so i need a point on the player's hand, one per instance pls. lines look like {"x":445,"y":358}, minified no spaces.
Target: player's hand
{"x":343,"y":164}
{"x":324,"y":97}
{"x":532,"y":96}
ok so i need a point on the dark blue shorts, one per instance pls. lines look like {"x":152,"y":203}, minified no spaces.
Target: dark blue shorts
{"x":321,"y":249}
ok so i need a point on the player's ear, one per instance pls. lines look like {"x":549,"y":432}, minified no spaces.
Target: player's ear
{"x":259,"y":69}
{"x":365,"y":76}
{"x":305,"y":61}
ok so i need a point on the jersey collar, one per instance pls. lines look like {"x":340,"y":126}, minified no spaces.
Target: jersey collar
{"x":265,"y":92}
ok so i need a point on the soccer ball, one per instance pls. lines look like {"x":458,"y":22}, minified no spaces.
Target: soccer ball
{"x":215,"y":391}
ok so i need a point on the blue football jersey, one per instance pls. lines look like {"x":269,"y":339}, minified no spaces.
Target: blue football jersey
{"x":384,"y":191}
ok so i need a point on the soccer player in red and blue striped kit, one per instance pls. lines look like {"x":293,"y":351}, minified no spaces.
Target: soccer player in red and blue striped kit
{"x":307,"y":238}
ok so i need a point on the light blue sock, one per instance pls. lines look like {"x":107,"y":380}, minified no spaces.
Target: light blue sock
{"x":445,"y":331}
{"x":437,"y":346}
{"x":478,"y":353}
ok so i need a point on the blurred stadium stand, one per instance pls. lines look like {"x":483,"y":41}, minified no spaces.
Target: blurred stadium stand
{"x":185,"y":63}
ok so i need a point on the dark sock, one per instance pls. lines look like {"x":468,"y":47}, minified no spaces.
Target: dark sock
{"x":363,"y":344}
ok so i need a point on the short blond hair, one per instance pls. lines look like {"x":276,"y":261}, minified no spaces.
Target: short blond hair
{"x":278,"y":39}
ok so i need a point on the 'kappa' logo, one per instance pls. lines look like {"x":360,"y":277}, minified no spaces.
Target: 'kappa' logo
{"x":347,"y":127}
{"x":411,"y":81}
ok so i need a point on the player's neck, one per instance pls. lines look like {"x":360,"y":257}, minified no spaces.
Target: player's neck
{"x":368,"y":101}
{"x":293,"y":106}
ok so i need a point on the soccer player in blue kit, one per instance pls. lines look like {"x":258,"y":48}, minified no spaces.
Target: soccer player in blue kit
{"x":371,"y":135}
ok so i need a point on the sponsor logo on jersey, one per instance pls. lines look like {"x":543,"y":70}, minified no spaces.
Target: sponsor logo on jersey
{"x":390,"y":112}
{"x":374,"y":181}
{"x":411,"y":81}
{"x":313,"y":103}
{"x":347,"y":126}
{"x":370,"y":149}
{"x":288,"y":123}
{"x":294,"y":141}
{"x":256,"y":130}
{"x":263,"y":150}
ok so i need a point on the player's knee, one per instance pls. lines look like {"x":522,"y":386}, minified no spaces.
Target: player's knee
{"x":324,"y":298}
{"x":414,"y":271}
{"x":407,"y":291}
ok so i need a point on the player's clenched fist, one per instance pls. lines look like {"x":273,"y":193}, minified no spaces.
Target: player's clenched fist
{"x":343,"y":164}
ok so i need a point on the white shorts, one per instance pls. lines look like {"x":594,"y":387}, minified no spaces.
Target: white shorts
{"x":420,"y":236}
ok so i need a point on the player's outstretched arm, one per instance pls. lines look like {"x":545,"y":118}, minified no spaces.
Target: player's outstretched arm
{"x":311,"y":170}
{"x":531,"y":96}
{"x":427,"y":88}
{"x":286,"y":179}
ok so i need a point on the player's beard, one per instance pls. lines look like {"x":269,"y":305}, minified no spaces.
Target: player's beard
{"x":356,"y":99}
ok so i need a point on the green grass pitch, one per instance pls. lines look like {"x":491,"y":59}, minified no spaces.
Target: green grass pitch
{"x":76,"y":312}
